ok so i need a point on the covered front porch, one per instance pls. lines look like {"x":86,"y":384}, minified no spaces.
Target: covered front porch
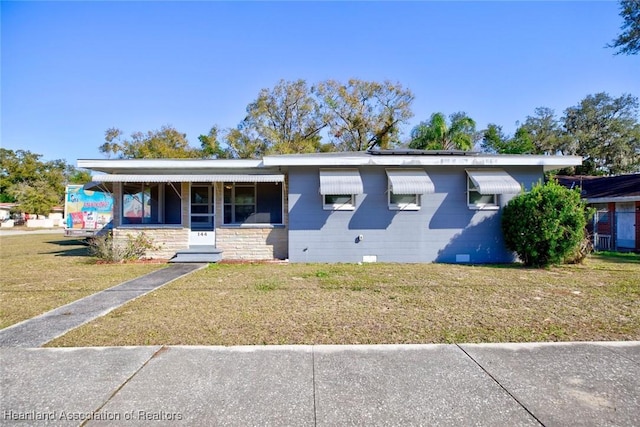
{"x":235,"y":213}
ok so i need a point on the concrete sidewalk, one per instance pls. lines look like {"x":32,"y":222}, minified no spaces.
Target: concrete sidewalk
{"x":589,"y":384}
{"x":41,"y":329}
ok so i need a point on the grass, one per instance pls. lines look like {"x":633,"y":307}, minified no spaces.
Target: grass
{"x":40,"y":272}
{"x":243,"y":304}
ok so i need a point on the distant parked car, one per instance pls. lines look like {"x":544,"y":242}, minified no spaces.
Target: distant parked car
{"x":18,"y":219}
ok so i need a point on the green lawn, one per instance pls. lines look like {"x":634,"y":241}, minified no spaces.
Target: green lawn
{"x":39,"y":272}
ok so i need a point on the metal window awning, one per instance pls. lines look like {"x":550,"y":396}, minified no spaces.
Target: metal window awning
{"x":191,"y":178}
{"x":410,"y":181}
{"x":493,"y":181}
{"x":340,"y":181}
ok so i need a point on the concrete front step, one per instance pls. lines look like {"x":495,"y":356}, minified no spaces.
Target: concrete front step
{"x":198,"y":254}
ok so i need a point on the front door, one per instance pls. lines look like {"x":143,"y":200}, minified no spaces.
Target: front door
{"x":202,"y":215}
{"x":626,"y":229}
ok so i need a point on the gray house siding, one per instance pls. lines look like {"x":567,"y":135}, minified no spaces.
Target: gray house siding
{"x":441,"y":230}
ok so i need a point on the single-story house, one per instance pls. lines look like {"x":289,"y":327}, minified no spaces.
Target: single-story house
{"x":387,"y":205}
{"x":616,"y":224}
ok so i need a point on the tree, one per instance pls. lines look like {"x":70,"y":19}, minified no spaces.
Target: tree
{"x":545,"y":225}
{"x":36,"y":197}
{"x":545,"y":132}
{"x":283,"y":120}
{"x":210,"y":145}
{"x":158,"y":144}
{"x":287,"y":118}
{"x":244,"y":143}
{"x":34,"y":184}
{"x":628,"y":42}
{"x":78,"y":176}
{"x":436,"y":134}
{"x":495,"y":141}
{"x":605,"y":132}
{"x":363,"y":115}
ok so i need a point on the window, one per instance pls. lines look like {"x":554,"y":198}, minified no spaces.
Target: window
{"x":406,"y":186}
{"x":253,"y":203}
{"x":338,"y":188}
{"x":602,"y":213}
{"x":403,"y":201}
{"x":484,"y":186}
{"x":151,"y":203}
{"x":337,"y":202}
{"x":476,"y":200}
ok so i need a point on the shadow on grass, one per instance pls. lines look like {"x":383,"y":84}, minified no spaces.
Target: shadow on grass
{"x":73,"y":248}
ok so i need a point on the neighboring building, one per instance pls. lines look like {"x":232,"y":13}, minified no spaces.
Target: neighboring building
{"x":5,"y":210}
{"x":390,"y":206}
{"x":616,"y":224}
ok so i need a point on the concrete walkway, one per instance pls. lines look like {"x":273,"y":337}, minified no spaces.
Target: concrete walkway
{"x":52,"y":324}
{"x":577,"y":384}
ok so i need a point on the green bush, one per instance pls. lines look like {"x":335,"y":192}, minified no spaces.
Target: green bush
{"x":104,"y":248}
{"x":546,"y":225}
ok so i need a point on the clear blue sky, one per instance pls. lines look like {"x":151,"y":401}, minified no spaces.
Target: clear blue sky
{"x":71,"y":70}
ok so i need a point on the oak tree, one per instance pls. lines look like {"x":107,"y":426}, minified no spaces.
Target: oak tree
{"x":166,"y":143}
{"x":363,"y":115}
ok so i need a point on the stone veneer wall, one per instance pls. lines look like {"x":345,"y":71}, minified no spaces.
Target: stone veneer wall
{"x":252,"y":242}
{"x":168,"y":240}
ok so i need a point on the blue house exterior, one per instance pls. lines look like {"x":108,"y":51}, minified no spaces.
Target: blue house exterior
{"x":444,"y":229}
{"x":385,"y":206}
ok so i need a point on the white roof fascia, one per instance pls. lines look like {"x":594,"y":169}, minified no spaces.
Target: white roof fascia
{"x":333,"y":159}
{"x":620,"y":199}
{"x":548,"y":162}
{"x":167,"y":164}
{"x":190,"y":178}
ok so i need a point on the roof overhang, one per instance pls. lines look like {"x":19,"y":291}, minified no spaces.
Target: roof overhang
{"x":350,"y":159}
{"x":620,"y":199}
{"x":365,"y":159}
{"x":168,"y":166}
{"x":189,"y":178}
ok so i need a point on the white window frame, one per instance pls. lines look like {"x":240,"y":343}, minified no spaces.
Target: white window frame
{"x":492,"y":206}
{"x":331,"y":206}
{"x":402,"y":206}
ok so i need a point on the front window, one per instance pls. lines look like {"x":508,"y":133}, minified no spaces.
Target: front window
{"x":403,"y":201}
{"x":253,"y":203}
{"x":151,"y":203}
{"x":475,"y":200}
{"x":336,"y":202}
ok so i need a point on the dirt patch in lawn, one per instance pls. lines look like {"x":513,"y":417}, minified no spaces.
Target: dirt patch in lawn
{"x":241,"y":304}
